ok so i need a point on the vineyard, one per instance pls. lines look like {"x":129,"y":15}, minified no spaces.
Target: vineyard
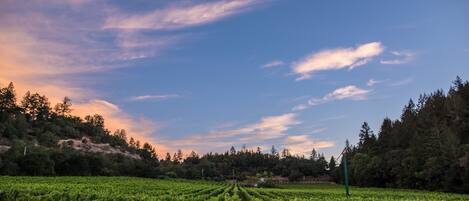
{"x":126,"y":188}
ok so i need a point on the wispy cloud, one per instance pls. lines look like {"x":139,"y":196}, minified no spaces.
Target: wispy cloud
{"x":135,"y":32}
{"x":401,"y":57}
{"x":274,"y":63}
{"x":300,"y":107}
{"x":318,"y":130}
{"x":135,"y":44}
{"x":257,"y":134}
{"x":303,"y":144}
{"x":348,"y":92}
{"x":270,"y":127}
{"x":51,"y":55}
{"x":179,"y":16}
{"x":372,"y":82}
{"x":154,"y":97}
{"x":334,"y":59}
{"x":402,"y":82}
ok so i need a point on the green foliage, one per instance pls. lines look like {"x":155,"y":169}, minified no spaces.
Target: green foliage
{"x":8,"y":99}
{"x":127,"y":188}
{"x":425,"y":149}
{"x":36,"y":164}
{"x":33,"y":131}
{"x":63,"y":108}
{"x":35,"y":107}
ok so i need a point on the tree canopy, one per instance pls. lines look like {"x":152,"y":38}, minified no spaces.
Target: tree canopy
{"x":427,"y":148}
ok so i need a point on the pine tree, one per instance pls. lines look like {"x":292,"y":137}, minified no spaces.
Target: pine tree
{"x":273,"y":151}
{"x":285,"y":153}
{"x":168,"y":157}
{"x":63,"y":108}
{"x":8,"y":98}
{"x":232,"y":150}
{"x":314,"y":155}
{"x":35,"y":106}
{"x":367,"y":138}
{"x":132,"y":143}
{"x":332,"y":164}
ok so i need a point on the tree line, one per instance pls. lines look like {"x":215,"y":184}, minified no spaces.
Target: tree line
{"x":31,"y":128}
{"x":427,"y":148}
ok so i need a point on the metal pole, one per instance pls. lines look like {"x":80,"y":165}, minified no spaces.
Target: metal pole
{"x":344,"y":157}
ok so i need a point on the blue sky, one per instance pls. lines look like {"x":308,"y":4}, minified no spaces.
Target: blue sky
{"x":206,"y":75}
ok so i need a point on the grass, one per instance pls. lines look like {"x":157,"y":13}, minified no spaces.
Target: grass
{"x":128,"y":188}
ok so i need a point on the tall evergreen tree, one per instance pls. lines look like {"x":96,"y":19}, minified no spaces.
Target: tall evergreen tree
{"x":8,"y":98}
{"x":63,"y":108}
{"x":35,"y":106}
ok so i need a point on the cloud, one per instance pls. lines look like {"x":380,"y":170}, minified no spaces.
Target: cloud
{"x":348,"y":92}
{"x":51,"y":47}
{"x":51,"y":55}
{"x":273,"y":64}
{"x":270,"y":127}
{"x":139,"y":45}
{"x":268,"y":131}
{"x":402,"y":82}
{"x":303,"y":144}
{"x":300,"y":107}
{"x":256,"y":134}
{"x":179,"y":16}
{"x":402,"y":58}
{"x":154,"y":97}
{"x":372,"y":82}
{"x":334,"y":59}
{"x":318,"y":130}
{"x":115,"y":117}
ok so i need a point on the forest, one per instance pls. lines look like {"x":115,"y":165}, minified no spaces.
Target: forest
{"x":426,"y":148}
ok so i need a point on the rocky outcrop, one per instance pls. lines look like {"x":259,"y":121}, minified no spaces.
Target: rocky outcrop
{"x":86,"y":145}
{"x":4,"y":148}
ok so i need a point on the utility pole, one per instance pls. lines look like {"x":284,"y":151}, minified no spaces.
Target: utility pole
{"x":344,"y":158}
{"x":344,"y":163}
{"x":346,"y":176}
{"x":202,"y":173}
{"x":24,"y":151}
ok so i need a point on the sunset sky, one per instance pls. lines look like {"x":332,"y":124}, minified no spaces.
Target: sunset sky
{"x":208,"y":75}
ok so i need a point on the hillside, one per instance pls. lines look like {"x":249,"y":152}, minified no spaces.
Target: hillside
{"x":38,"y":140}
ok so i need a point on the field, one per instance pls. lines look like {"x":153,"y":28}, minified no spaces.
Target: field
{"x":127,"y":188}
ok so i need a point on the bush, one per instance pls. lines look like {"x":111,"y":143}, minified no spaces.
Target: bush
{"x":295,"y":175}
{"x":171,"y":174}
{"x":37,"y":164}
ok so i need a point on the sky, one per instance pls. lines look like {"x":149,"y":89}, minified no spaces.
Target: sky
{"x":208,"y":75}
